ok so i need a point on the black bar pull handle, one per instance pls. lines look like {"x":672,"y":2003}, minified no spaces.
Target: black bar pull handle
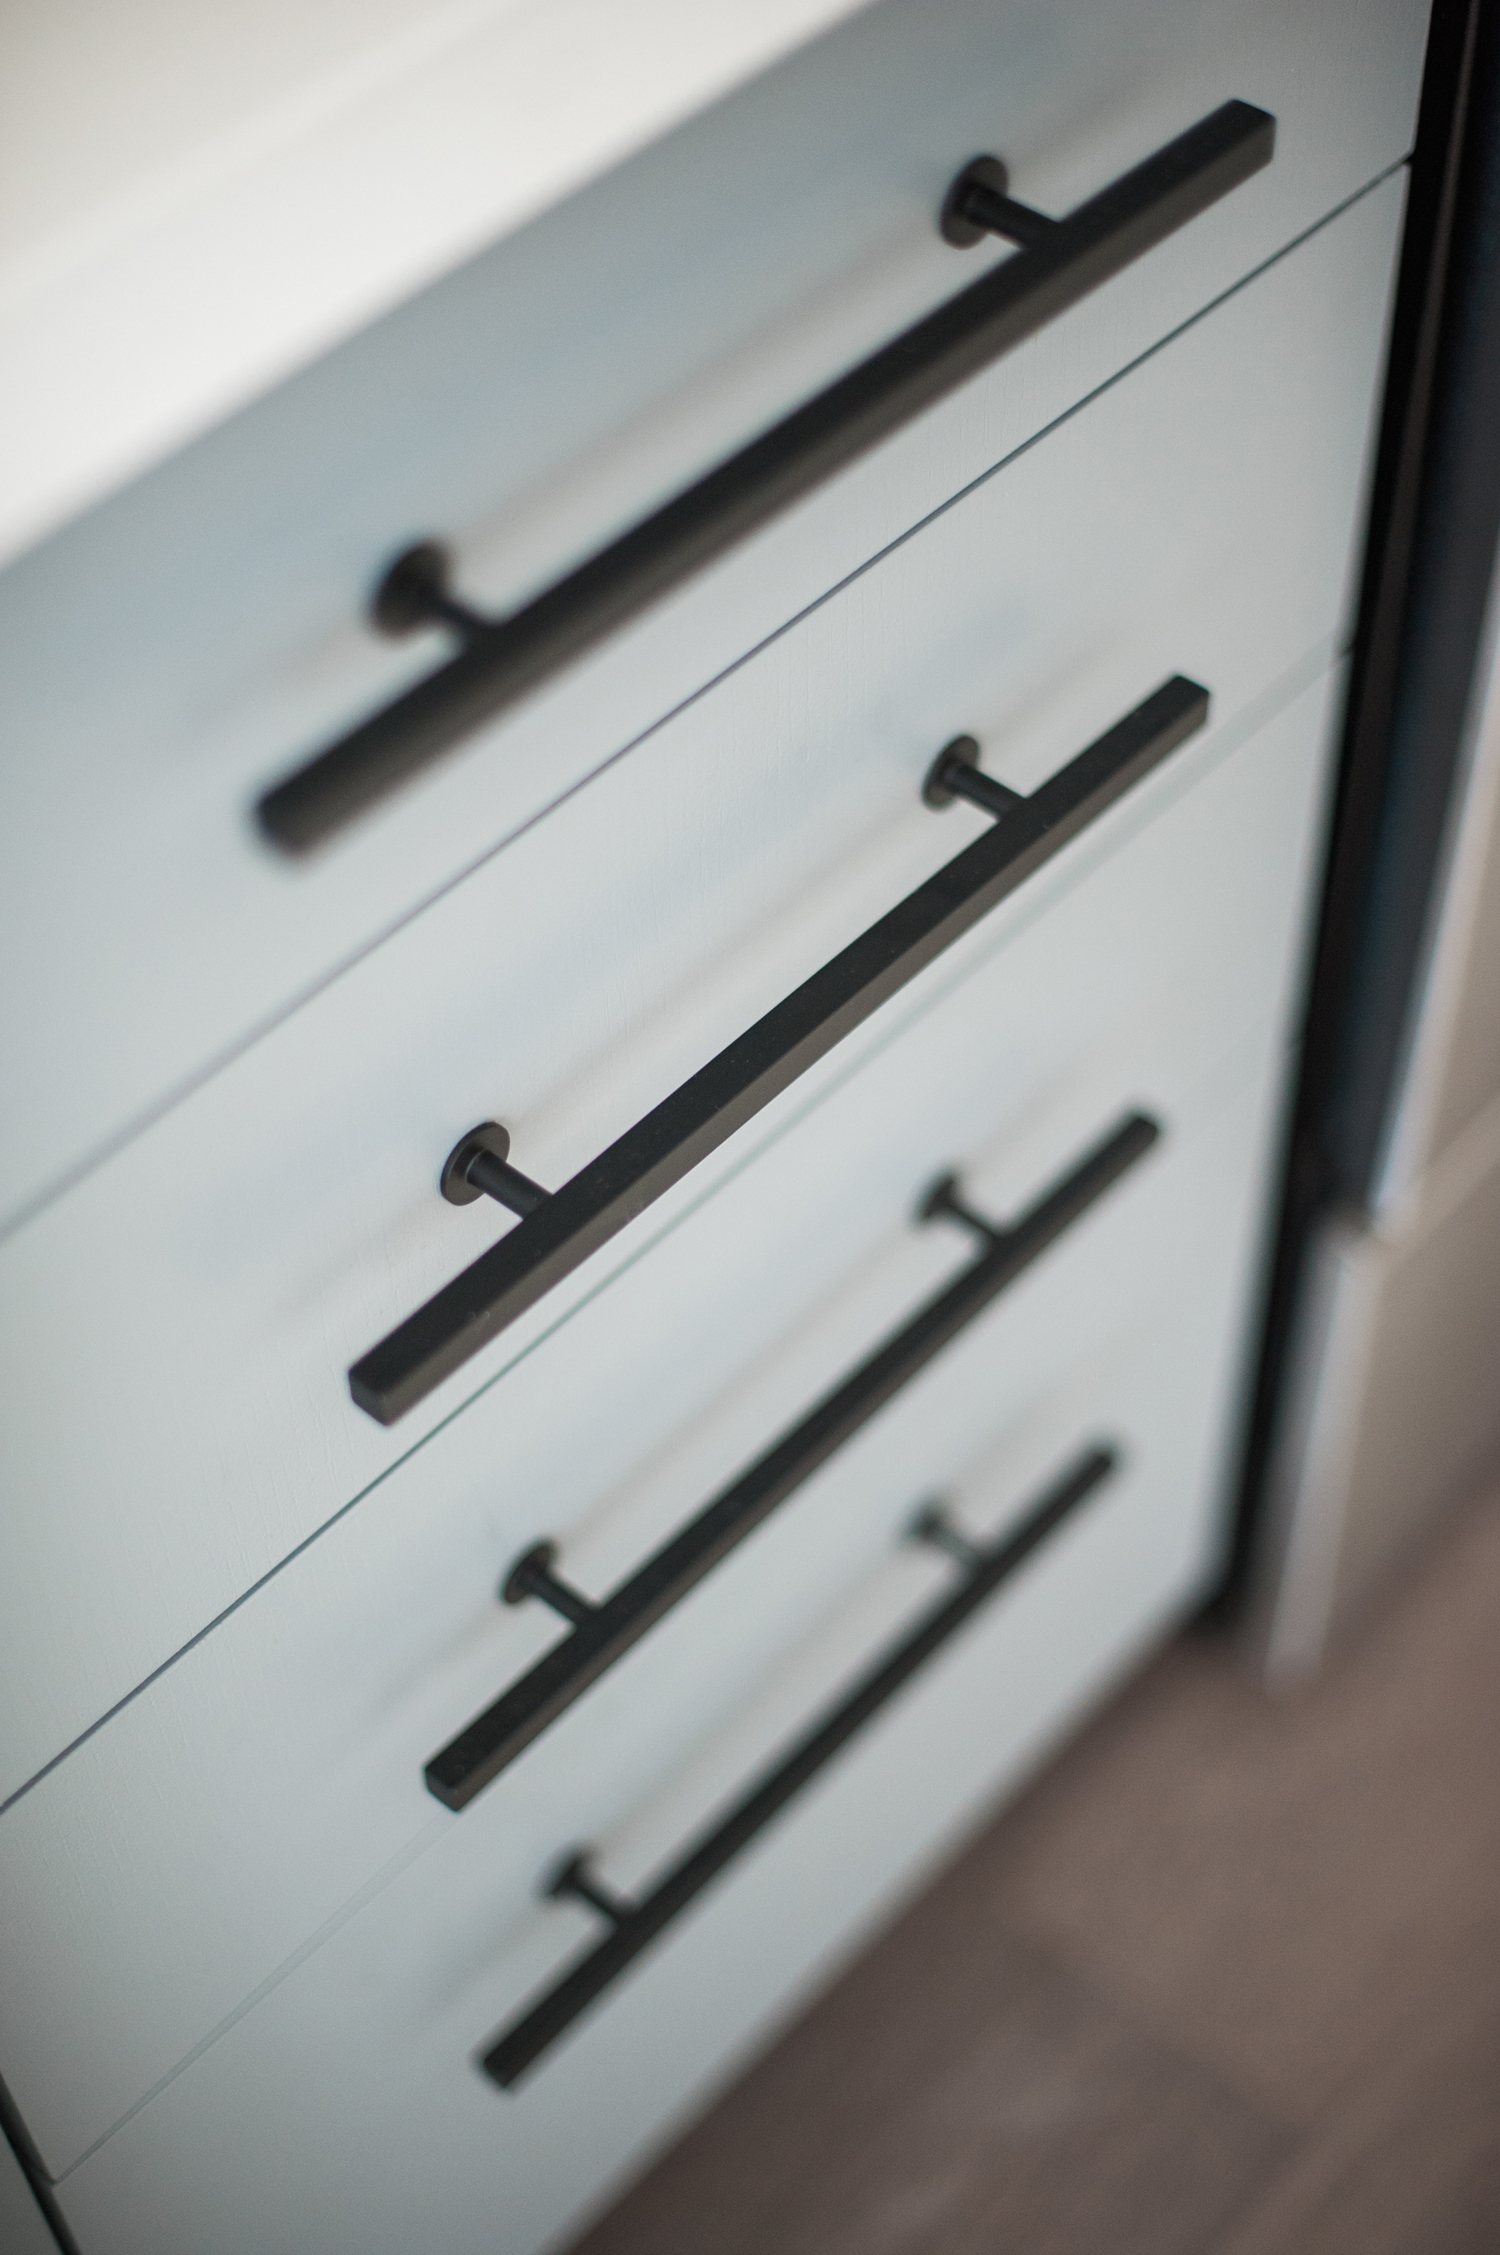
{"x":633,"y":1926}
{"x":560,"y":1231}
{"x":501,"y":660}
{"x":603,"y":1633}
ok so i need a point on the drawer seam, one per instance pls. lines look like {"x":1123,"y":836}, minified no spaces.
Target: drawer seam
{"x":1312,"y":667}
{"x":31,"y":1208}
{"x":414,"y":1849}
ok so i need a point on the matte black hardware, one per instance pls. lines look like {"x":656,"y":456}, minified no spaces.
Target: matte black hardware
{"x":415,"y":592}
{"x":478,"y":1165}
{"x":979,"y":204}
{"x":943,"y":1203}
{"x":705,"y":1111}
{"x":504,"y":659}
{"x":635,"y":1925}
{"x":573,"y":1878}
{"x":532,"y":1576}
{"x":953,"y":775}
{"x":609,"y":1629}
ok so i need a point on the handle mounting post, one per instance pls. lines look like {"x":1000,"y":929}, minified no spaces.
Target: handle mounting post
{"x":979,"y":203}
{"x":415,"y":592}
{"x":933,"y":1527}
{"x":532,"y":1576}
{"x":479,"y":1165}
{"x":574,"y":1880}
{"x":954,"y":774}
{"x":943,"y":1203}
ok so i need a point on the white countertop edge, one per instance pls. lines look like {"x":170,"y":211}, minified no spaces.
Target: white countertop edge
{"x":151,"y":325}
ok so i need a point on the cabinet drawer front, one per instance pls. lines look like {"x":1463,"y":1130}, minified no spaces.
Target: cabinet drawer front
{"x":277,"y":1768}
{"x":224,"y":597}
{"x":197,"y":1428}
{"x":381,"y":2029}
{"x":778,"y":818}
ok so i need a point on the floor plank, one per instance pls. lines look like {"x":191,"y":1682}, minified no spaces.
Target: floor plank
{"x":1408,"y":2164}
{"x":1286,"y":1889}
{"x":956,"y":2093}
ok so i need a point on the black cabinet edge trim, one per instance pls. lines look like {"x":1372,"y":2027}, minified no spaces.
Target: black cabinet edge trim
{"x":1314,"y":1175}
{"x":29,"y":2161}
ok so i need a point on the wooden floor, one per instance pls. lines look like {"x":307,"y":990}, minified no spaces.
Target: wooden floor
{"x":1225,"y":1982}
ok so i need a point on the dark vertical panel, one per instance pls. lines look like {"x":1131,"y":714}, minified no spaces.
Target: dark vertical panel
{"x":1435,"y":490}
{"x":1436,"y":642}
